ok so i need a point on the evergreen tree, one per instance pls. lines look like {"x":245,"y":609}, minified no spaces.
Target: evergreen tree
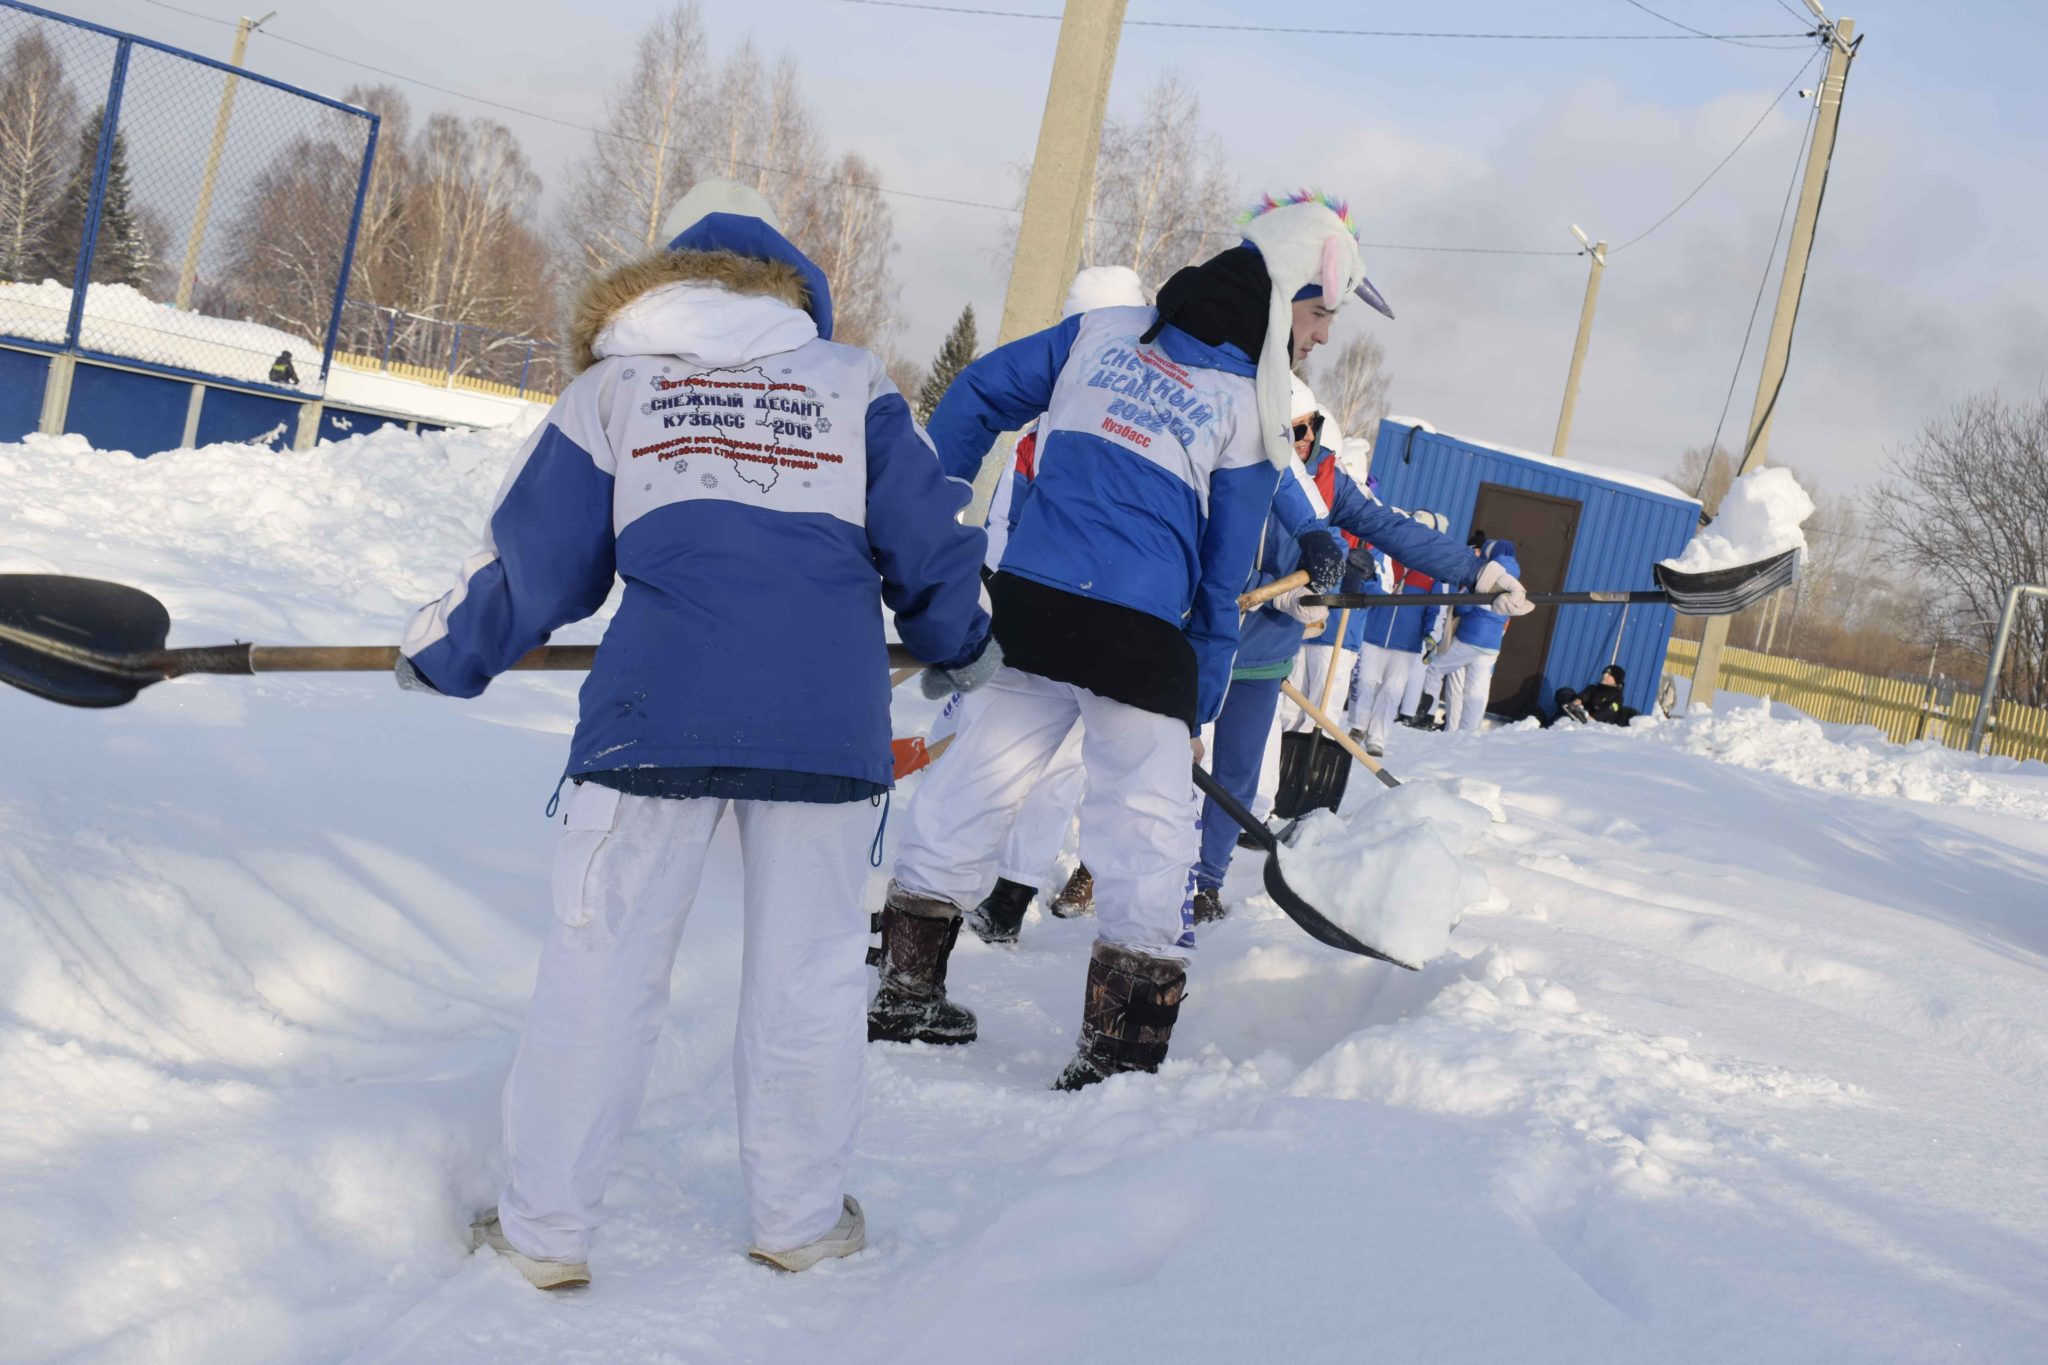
{"x":953,"y":357}
{"x":121,"y":254}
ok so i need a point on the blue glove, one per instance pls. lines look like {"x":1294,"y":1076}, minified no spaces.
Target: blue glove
{"x":937,"y":683}
{"x":1322,"y":557}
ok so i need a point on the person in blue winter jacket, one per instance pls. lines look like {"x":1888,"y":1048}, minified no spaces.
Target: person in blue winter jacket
{"x":1164,"y":436}
{"x":1273,"y":637}
{"x":717,"y":452}
{"x":1390,"y":649}
{"x":1461,"y":675}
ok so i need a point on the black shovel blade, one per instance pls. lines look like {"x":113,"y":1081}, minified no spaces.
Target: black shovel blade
{"x":1723,"y":592}
{"x":1311,"y":920}
{"x":51,"y":625}
{"x":1313,"y":774}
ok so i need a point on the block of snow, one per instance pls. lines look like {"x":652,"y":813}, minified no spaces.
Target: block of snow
{"x":1759,"y":518}
{"x":1397,"y":874}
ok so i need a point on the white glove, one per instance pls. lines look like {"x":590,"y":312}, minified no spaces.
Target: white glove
{"x":1291,"y":603}
{"x":1510,"y":599}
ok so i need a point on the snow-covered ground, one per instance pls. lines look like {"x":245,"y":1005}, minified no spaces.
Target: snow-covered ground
{"x":1744,"y":1057}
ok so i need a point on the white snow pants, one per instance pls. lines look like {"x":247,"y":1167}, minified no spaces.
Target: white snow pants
{"x":1031,"y":850}
{"x":1411,"y":695}
{"x":1310,"y":667}
{"x":1138,"y":833}
{"x":625,"y":875}
{"x":1383,"y":679}
{"x":1465,"y":674}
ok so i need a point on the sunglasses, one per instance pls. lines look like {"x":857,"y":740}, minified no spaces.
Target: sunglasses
{"x":1304,"y":430}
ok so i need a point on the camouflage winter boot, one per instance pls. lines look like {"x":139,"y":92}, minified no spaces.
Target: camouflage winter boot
{"x":1001,"y":913}
{"x":918,"y":933}
{"x":1077,"y":898}
{"x":1127,"y":1017}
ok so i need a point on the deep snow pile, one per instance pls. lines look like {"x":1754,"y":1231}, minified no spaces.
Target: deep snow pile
{"x":1399,"y":872}
{"x":1760,"y":516}
{"x":1741,"y":1059}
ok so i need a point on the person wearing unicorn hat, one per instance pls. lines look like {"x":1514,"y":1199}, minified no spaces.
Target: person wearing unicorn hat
{"x":1165,"y":433}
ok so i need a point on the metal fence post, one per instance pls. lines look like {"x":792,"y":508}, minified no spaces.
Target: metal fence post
{"x":348,"y":255}
{"x":390,"y":328}
{"x":110,"y":118}
{"x":454,"y":351}
{"x":1996,"y":663}
{"x":524,"y":366}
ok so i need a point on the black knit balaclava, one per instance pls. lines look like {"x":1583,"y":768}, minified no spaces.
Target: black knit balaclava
{"x":1224,"y":299}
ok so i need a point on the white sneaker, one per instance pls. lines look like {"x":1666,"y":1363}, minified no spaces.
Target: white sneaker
{"x":847,"y":1236}
{"x":485,"y":1232}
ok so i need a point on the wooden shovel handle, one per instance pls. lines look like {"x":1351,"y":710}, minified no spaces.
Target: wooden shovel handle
{"x":1258,"y":597}
{"x":1336,"y":732}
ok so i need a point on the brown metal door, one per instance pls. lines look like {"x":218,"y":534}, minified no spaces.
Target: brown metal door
{"x":1542,"y":528}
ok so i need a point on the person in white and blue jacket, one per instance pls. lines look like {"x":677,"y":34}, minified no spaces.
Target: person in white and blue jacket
{"x":761,"y":491}
{"x":1273,"y":635}
{"x":1390,"y":649}
{"x":1462,"y":673}
{"x":1164,"y":436}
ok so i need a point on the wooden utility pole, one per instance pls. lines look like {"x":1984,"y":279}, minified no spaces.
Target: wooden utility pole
{"x":1062,"y":184}
{"x":1839,"y":35}
{"x":200,"y":212}
{"x":1598,"y":251}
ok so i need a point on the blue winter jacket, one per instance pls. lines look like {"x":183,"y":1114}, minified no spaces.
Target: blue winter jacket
{"x":1386,"y":529}
{"x":1403,"y":629}
{"x":1270,"y":635}
{"x":761,"y":490}
{"x":1482,"y":627}
{"x":1151,"y":481}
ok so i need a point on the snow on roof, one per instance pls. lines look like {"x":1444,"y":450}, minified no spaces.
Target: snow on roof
{"x":1630,"y":478}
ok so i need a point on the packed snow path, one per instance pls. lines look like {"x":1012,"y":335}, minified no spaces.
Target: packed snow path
{"x":1744,"y":1059}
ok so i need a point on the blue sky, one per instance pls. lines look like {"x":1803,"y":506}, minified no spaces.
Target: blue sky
{"x":1928,"y":279}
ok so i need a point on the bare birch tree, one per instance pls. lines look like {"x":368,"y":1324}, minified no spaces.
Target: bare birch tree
{"x":1354,"y":386}
{"x":36,"y":138}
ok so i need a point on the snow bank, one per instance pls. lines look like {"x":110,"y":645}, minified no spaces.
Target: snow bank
{"x":1398,"y":873}
{"x":121,"y":320}
{"x":441,"y":404}
{"x":1760,"y":517}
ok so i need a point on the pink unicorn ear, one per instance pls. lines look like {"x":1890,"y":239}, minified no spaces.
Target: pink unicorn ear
{"x":1336,"y":249}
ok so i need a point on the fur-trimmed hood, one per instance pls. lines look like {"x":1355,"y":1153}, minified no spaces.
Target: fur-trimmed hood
{"x":628,"y":294}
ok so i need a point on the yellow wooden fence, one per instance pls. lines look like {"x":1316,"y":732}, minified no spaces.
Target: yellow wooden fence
{"x":1904,"y":710}
{"x":440,"y":379}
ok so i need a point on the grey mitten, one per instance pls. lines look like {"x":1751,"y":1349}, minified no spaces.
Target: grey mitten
{"x":410,"y":679}
{"x":938,"y":683}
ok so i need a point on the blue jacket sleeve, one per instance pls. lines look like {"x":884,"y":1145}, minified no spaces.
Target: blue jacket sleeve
{"x":548,"y":559}
{"x":930,"y":563}
{"x":1400,"y":535}
{"x":1239,"y":500}
{"x":999,"y":392}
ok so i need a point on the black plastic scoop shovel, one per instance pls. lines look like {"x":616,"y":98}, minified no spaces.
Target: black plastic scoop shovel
{"x":87,"y":642}
{"x":1313,"y":922}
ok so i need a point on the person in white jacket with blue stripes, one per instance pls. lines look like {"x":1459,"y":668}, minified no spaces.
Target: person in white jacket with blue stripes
{"x":763,"y":492}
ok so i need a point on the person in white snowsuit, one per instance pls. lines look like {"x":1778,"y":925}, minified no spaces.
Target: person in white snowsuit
{"x":718,"y":452}
{"x":1164,"y":436}
{"x":1461,"y":674}
{"x":1030,"y":853}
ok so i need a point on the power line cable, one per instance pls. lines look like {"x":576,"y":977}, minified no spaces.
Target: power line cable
{"x":1734,"y":39}
{"x":1776,"y":100}
{"x":191,"y":14}
{"x":1749,"y":329}
{"x":984,"y":13}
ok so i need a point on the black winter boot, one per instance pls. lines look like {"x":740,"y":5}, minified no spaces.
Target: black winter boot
{"x":1077,"y":898}
{"x":1127,"y":1016}
{"x":918,"y":934}
{"x":1209,"y":904}
{"x":1001,"y":913}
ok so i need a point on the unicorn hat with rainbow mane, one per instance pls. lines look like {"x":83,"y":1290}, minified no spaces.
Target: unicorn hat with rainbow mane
{"x":1309,"y":246}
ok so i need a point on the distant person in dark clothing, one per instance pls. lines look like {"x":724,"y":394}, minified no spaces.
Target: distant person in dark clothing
{"x":282,"y":371}
{"x":1602,"y":701}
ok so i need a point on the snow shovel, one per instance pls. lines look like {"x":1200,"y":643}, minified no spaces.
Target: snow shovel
{"x":1312,"y":921}
{"x":1712,"y":592}
{"x":87,"y":642}
{"x":1313,"y":774}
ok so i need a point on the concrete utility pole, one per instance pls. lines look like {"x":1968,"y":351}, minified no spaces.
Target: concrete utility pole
{"x":1062,"y":184}
{"x":1839,"y":35}
{"x":190,"y":273}
{"x":1598,"y":251}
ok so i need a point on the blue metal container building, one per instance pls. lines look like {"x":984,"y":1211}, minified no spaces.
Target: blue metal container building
{"x":1578,"y":527}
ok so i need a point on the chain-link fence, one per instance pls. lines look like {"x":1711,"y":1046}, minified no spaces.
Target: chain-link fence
{"x":165,"y":209}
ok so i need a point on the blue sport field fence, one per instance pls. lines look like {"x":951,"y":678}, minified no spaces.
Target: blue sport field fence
{"x":168,"y":211}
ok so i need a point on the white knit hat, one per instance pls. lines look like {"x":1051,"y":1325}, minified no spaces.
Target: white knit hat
{"x":1304,"y":240}
{"x":707,"y":197}
{"x":1104,"y":286}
